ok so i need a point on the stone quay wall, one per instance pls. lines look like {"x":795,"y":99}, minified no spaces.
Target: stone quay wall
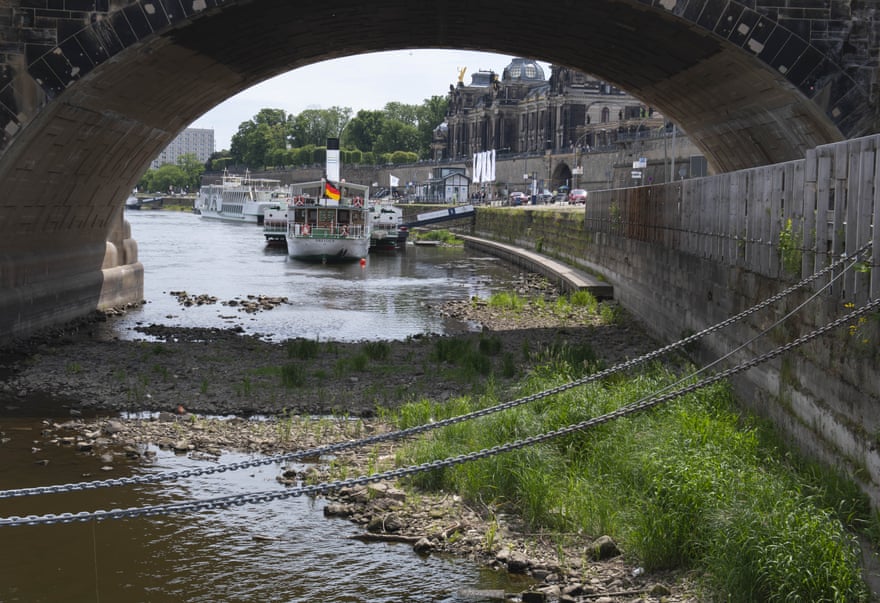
{"x":688,"y":255}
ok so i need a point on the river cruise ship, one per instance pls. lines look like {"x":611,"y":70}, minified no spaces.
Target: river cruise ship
{"x":328,"y":222}
{"x":239,"y":198}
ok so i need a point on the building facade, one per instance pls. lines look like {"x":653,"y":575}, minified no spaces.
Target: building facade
{"x":195,"y":141}
{"x":521,"y":111}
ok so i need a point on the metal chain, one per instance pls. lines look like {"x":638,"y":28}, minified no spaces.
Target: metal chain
{"x":264,"y":497}
{"x":405,"y":433}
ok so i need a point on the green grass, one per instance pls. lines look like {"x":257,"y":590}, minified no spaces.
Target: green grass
{"x":506,"y":301}
{"x":444,"y":236}
{"x":691,"y":485}
{"x":302,"y":349}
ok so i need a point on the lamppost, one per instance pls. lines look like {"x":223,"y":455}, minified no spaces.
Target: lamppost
{"x":577,"y":170}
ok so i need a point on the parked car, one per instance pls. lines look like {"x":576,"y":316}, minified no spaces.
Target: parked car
{"x":518,"y":198}
{"x":578,"y":195}
{"x":545,"y":198}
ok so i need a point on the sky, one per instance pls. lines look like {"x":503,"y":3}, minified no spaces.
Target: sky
{"x":404,"y":76}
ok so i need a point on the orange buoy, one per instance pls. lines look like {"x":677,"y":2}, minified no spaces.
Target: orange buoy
{"x":363,"y":262}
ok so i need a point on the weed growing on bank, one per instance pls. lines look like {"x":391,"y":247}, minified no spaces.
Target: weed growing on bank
{"x":693,"y":484}
{"x":444,"y":236}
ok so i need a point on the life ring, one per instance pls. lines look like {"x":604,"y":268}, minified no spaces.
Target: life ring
{"x":300,"y":201}
{"x":306,"y":230}
{"x":357,"y":202}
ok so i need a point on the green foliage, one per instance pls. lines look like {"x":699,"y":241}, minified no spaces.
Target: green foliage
{"x":163,"y":179}
{"x":378,"y":350}
{"x":506,"y":301}
{"x":585,"y":299}
{"x":302,"y":349}
{"x":789,"y":251}
{"x":692,"y":484}
{"x":293,"y":375}
{"x":444,"y":236}
{"x":356,"y":363}
{"x":398,"y":134}
{"x":610,"y":313}
{"x":450,"y":349}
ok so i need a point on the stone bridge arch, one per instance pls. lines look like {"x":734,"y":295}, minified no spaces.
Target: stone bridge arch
{"x":92,"y":90}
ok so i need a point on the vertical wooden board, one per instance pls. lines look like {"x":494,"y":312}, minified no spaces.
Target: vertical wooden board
{"x":804,"y":193}
{"x":687,"y":213}
{"x":775,"y":201}
{"x":756,"y":187}
{"x":766,"y":215}
{"x":721,"y":212}
{"x":874,"y":292}
{"x":824,"y":189}
{"x":859,"y":220}
{"x":706,"y":202}
{"x":739,"y":208}
{"x":849,"y":218}
{"x":733,"y":200}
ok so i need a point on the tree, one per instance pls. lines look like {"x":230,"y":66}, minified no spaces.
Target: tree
{"x":192,"y":169}
{"x":315,"y":126}
{"x":431,"y":113}
{"x":163,"y":179}
{"x":408,"y":114}
{"x":255,"y":139}
{"x":397,"y":136}
{"x":364,"y":129}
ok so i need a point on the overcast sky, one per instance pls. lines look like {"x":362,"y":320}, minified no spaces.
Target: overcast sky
{"x":367,"y":81}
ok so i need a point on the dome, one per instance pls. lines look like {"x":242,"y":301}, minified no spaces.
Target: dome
{"x":524,"y":70}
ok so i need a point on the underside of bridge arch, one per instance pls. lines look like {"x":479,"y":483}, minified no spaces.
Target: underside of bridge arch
{"x":83,"y":117}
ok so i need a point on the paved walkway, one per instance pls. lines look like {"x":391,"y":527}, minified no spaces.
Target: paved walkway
{"x":563,"y":275}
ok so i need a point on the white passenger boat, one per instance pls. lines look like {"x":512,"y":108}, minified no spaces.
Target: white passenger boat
{"x":328,"y":222}
{"x":387,"y":230}
{"x":239,"y":198}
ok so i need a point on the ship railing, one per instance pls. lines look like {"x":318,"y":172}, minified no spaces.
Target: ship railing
{"x":335,"y":231}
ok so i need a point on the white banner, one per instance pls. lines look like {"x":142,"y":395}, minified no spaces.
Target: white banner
{"x":394,"y":181}
{"x":484,"y":167}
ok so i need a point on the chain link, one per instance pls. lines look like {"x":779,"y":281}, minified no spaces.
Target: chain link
{"x":264,"y":497}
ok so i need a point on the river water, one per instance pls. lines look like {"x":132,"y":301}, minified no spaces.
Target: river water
{"x":280,"y":551}
{"x":391,"y":297}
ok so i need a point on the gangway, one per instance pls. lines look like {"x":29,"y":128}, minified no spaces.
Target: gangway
{"x":442,"y":215}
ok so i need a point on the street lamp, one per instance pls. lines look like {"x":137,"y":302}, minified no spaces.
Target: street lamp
{"x":577,"y":170}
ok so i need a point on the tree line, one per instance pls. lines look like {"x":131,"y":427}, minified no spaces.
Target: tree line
{"x":273,"y":138}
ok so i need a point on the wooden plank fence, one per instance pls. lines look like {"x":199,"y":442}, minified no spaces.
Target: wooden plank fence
{"x":784,"y":221}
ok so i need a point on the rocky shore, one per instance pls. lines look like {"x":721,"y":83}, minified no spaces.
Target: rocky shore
{"x":203,"y":384}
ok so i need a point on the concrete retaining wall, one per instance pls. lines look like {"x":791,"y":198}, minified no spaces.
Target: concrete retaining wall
{"x":685,"y":256}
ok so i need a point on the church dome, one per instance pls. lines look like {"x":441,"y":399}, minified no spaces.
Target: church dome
{"x":524,"y":70}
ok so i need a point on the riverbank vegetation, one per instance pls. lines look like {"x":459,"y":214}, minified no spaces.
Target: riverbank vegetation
{"x":443,"y":236}
{"x":694,"y":484}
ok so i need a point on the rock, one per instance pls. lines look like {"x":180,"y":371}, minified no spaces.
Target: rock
{"x":517,"y":563}
{"x":603,"y":548}
{"x":335,"y":509}
{"x":659,"y":590}
{"x":113,"y":427}
{"x":423,"y":546}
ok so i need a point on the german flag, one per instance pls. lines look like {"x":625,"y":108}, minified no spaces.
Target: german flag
{"x":331,"y":192}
